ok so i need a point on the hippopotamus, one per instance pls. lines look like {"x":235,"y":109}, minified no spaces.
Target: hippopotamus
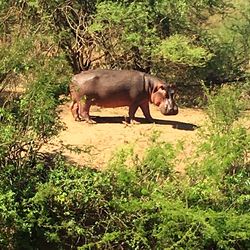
{"x":117,"y":88}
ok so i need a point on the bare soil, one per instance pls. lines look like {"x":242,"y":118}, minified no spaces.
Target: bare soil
{"x":110,"y":134}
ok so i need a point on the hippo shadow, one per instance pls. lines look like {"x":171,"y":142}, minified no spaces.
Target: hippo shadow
{"x":121,"y":119}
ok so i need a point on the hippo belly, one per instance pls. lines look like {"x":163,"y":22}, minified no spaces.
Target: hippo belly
{"x":111,"y":103}
{"x":117,"y":100}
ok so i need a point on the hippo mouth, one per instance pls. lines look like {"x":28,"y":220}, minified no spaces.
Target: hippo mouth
{"x":169,"y":108}
{"x":167,"y":111}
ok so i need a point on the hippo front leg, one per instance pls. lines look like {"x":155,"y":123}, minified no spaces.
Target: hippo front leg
{"x":146,"y":112}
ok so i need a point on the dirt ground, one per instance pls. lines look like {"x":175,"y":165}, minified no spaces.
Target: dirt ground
{"x":110,"y":134}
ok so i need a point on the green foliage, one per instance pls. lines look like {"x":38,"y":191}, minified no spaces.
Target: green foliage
{"x":220,"y":170}
{"x":28,"y":120}
{"x":136,"y":203}
{"x":38,"y":105}
{"x":15,"y":57}
{"x":228,"y":39}
{"x":158,"y":161}
{"x":225,"y":106}
{"x":132,"y":38}
{"x":140,"y":34}
{"x":179,"y":49}
{"x":90,"y":209}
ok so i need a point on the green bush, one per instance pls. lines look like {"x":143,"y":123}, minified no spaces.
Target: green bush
{"x":225,"y":107}
{"x":220,"y":170}
{"x":179,"y":49}
{"x":84,"y":208}
{"x":136,"y":203}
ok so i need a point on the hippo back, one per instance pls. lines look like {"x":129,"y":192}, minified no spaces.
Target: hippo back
{"x":108,"y":83}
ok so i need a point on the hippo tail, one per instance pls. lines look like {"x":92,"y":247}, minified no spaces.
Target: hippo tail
{"x":67,"y":90}
{"x":71,"y":88}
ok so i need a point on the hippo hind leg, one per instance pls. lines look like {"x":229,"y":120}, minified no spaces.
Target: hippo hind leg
{"x":75,"y":110}
{"x":83,"y":112}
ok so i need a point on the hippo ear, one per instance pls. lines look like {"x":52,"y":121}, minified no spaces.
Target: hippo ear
{"x":172,"y":87}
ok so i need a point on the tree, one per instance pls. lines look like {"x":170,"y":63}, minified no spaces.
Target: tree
{"x":229,"y":41}
{"x":179,"y":40}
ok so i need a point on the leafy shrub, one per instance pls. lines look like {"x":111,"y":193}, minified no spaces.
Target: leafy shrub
{"x":225,"y":107}
{"x":220,"y":171}
{"x":27,"y":122}
{"x":180,"y":50}
{"x":157,"y":163}
{"x":38,"y":105}
{"x":137,"y":203}
{"x":82,"y":207}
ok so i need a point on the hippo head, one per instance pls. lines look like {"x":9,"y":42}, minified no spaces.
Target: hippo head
{"x":169,"y":107}
{"x":164,"y":98}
